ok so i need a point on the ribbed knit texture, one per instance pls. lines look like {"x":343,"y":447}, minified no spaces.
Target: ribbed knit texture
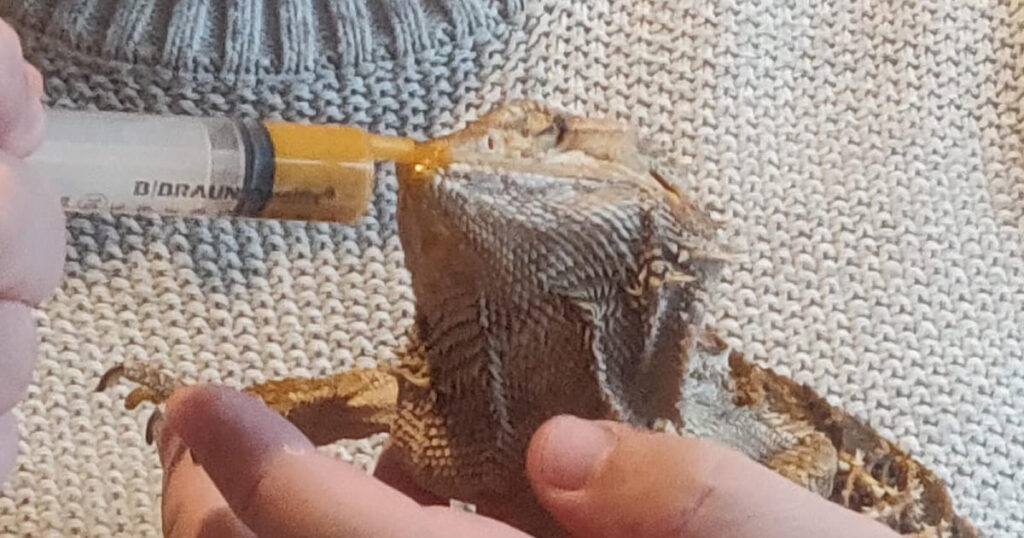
{"x":244,"y":38}
{"x":867,"y":161}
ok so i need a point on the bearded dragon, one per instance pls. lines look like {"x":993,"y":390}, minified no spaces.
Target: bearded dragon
{"x":555,"y":271}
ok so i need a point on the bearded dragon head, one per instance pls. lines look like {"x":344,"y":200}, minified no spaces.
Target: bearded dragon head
{"x":528,"y":136}
{"x":553,"y":270}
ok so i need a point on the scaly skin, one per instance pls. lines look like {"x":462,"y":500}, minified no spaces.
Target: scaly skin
{"x":556,"y":272}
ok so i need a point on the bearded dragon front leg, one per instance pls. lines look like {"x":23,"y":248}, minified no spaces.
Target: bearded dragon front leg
{"x":346,"y":405}
{"x":819,"y":446}
{"x":718,"y":406}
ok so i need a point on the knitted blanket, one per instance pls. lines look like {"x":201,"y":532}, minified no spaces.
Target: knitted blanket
{"x":866,"y":158}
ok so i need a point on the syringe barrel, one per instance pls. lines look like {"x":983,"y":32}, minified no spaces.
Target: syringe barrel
{"x":192,"y":166}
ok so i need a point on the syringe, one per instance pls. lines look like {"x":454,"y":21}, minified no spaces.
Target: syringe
{"x":190,"y":166}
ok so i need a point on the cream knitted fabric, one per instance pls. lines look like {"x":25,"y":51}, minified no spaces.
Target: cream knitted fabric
{"x":867,"y":161}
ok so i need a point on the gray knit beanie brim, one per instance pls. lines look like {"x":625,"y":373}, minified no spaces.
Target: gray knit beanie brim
{"x":248,"y":38}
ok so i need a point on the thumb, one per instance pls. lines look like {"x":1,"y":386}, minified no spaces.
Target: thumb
{"x":605,"y":479}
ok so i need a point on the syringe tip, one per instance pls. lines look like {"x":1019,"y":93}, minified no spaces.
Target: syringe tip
{"x":408,"y":151}
{"x":392,"y":148}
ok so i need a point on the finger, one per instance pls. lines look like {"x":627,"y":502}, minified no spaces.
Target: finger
{"x":192,"y":507}
{"x":21,"y":112}
{"x":604,"y":479}
{"x":31,"y":234}
{"x":8,"y":446}
{"x":389,"y":470}
{"x":279,"y":485}
{"x":18,"y":345}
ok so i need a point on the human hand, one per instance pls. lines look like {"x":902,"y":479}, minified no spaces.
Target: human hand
{"x":31,"y":234}
{"x":261,"y":477}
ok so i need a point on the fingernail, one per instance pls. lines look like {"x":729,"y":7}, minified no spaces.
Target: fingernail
{"x":171,"y":450}
{"x":168,"y":445}
{"x":572,"y":451}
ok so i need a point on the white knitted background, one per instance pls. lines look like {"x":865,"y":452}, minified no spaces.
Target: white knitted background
{"x":866,"y":159}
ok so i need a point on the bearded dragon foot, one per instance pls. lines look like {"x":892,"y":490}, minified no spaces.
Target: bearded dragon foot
{"x":155,"y":386}
{"x":346,"y":405}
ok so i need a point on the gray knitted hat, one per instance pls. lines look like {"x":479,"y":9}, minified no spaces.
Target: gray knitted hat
{"x":297,"y":59}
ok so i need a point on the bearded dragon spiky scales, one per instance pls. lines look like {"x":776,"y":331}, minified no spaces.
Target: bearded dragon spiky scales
{"x":555,"y":272}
